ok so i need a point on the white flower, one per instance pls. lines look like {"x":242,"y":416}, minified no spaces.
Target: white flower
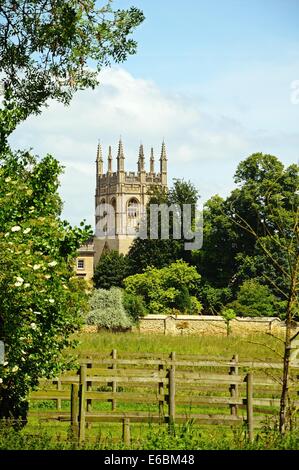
{"x":19,"y":282}
{"x":16,"y":228}
{"x":51,"y":301}
{"x":27,"y":230}
{"x":15,"y":368}
{"x":5,"y":363}
{"x":1,"y":381}
{"x":8,"y":179}
{"x":47,"y":276}
{"x":33,"y":325}
{"x":36,"y":267}
{"x":26,"y":285}
{"x":53,"y":263}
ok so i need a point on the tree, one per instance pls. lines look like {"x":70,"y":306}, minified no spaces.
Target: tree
{"x":166,"y":289}
{"x":40,"y":297}
{"x":47,"y":51}
{"x":160,"y":253}
{"x":266,"y":208}
{"x":231,"y":255}
{"x":111,"y":270}
{"x":228,"y":314}
{"x":134,"y":306}
{"x":254,"y":300}
{"x":48,"y":48}
{"x":106,"y":310}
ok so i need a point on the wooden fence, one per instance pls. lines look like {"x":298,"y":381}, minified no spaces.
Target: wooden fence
{"x":177,"y":388}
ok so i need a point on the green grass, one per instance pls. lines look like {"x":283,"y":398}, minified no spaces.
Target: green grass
{"x":254,"y":347}
{"x":56,"y":435}
{"x":147,"y":437}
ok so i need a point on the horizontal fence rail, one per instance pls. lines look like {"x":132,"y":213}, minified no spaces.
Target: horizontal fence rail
{"x":215,"y":391}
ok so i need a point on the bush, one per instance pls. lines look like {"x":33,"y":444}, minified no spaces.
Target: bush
{"x":111,"y":269}
{"x":134,"y":306}
{"x":107,"y":310}
{"x":254,"y":300}
{"x":165,"y":289}
{"x":195,"y":306}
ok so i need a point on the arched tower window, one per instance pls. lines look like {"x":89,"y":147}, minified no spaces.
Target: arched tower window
{"x":133,"y":209}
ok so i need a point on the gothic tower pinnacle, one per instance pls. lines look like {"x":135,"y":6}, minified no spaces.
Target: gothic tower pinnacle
{"x":163,"y":164}
{"x":152,"y":161}
{"x":109,"y":160}
{"x":141,"y":159}
{"x":99,"y":160}
{"x":120,"y":157}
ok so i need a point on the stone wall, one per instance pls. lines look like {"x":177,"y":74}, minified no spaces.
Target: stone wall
{"x":210,"y":325}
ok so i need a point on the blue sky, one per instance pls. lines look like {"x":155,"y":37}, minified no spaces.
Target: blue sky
{"x":211,"y":77}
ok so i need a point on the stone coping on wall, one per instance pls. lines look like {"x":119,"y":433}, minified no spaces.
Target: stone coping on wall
{"x":210,"y":325}
{"x":211,"y":318}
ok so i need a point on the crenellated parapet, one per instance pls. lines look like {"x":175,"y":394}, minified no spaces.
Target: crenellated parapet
{"x":122,"y":175}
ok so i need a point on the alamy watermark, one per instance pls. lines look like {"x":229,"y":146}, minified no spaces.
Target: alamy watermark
{"x":2,"y":350}
{"x":158,"y":221}
{"x":294,"y":97}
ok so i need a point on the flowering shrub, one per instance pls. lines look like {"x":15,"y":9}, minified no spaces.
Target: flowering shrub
{"x":40,"y":297}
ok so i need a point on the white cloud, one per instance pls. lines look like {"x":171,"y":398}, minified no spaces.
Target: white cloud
{"x":204,"y":145}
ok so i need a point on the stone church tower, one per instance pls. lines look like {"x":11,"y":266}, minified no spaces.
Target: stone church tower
{"x":127,"y":193}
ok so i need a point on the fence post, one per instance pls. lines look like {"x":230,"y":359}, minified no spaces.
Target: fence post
{"x":82,"y":404}
{"x":249,"y":405}
{"x":161,"y":392}
{"x":114,"y":384}
{"x":233,"y":388}
{"x":126,"y":432}
{"x":58,"y":401}
{"x":74,"y":409}
{"x":171,"y":391}
{"x":89,"y":388}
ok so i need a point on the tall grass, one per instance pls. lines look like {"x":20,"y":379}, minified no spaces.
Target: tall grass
{"x":254,"y":347}
{"x":184,"y":437}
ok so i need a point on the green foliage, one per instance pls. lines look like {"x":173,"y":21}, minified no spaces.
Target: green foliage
{"x":134,"y":306}
{"x":214,"y":298}
{"x":228,"y":314}
{"x":106,"y":310}
{"x":40,"y":296}
{"x":111,"y":270}
{"x":187,"y":436}
{"x":183,"y":300}
{"x":267,"y":201}
{"x":46,"y":49}
{"x":195,"y":306}
{"x":161,"y":253}
{"x":165,"y":289}
{"x":254,"y":300}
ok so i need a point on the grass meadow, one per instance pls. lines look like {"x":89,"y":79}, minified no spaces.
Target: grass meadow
{"x":56,"y":435}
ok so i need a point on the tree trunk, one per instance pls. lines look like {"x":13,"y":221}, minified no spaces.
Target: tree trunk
{"x":287,"y":350}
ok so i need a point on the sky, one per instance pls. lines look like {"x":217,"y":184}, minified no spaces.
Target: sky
{"x":217,"y":79}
